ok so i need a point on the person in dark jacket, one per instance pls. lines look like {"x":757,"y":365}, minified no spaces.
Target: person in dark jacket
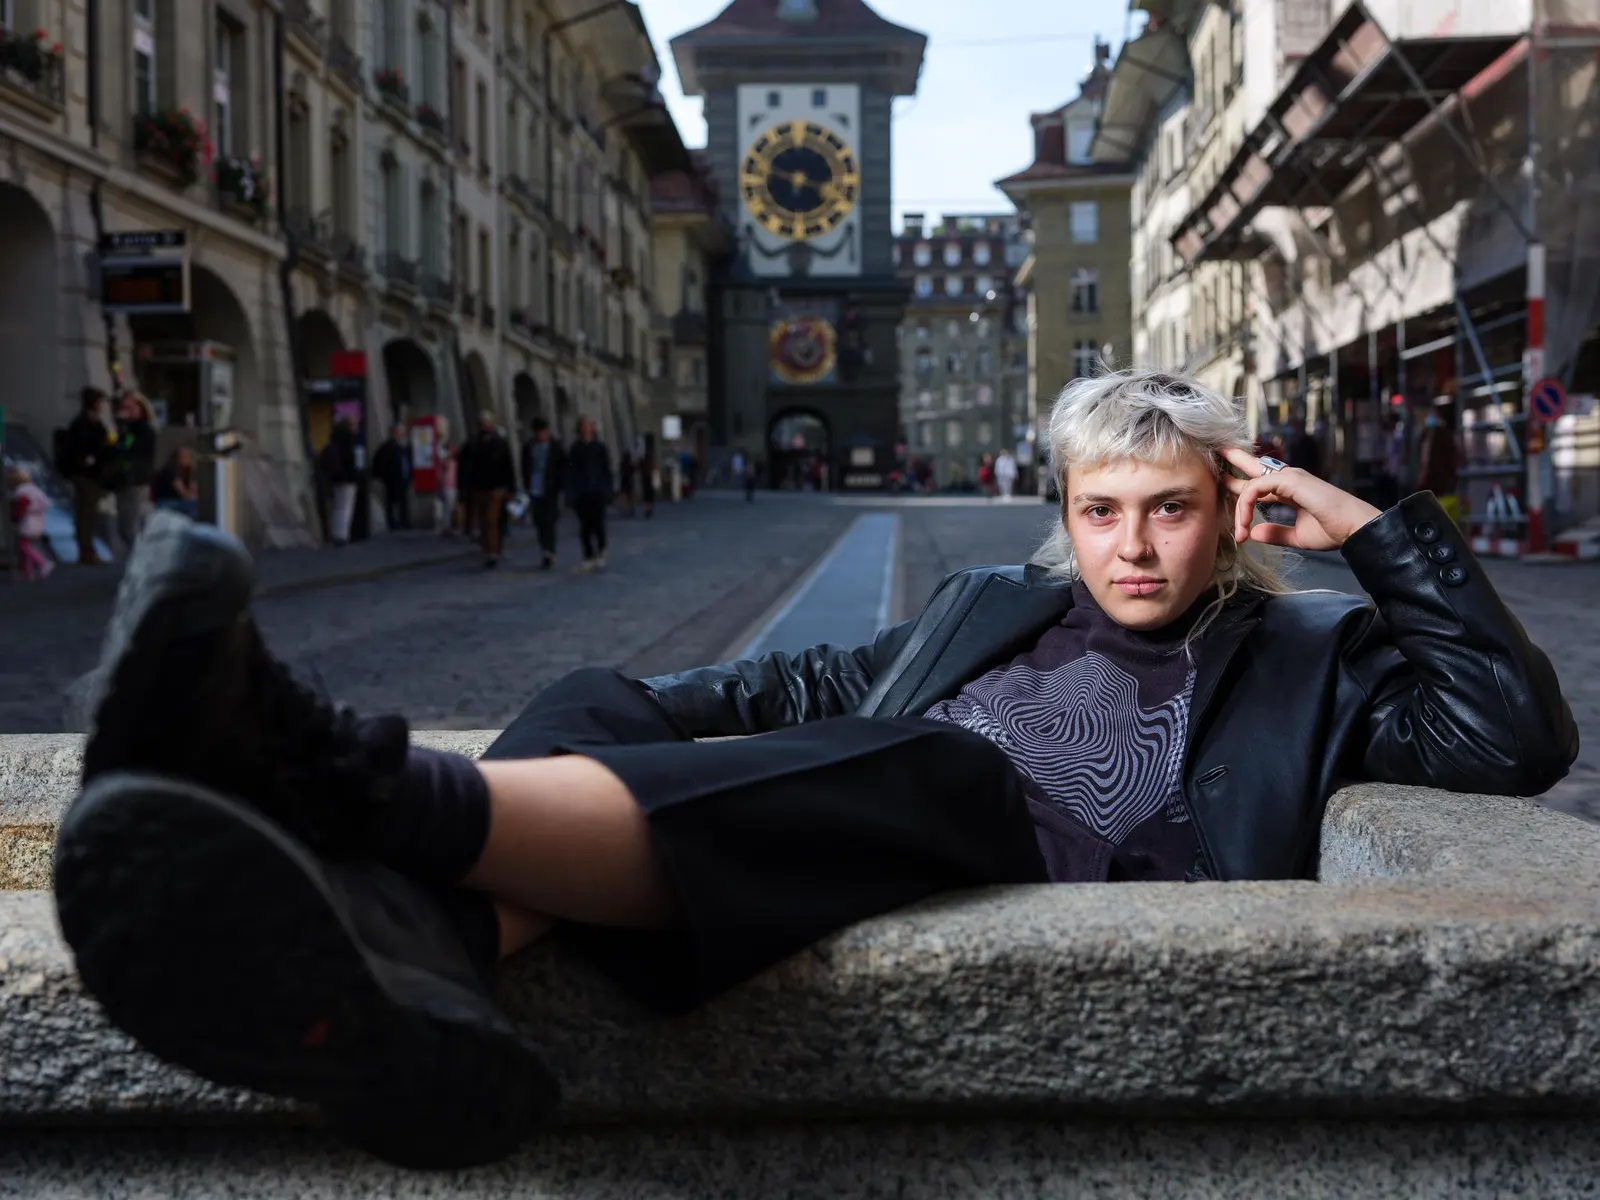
{"x":391,"y":467}
{"x":1146,"y":700}
{"x":589,"y":490}
{"x":544,"y":475}
{"x":488,"y":476}
{"x":341,"y":468}
{"x":88,"y":454}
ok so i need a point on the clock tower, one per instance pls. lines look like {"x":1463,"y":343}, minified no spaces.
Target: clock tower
{"x":797,"y":101}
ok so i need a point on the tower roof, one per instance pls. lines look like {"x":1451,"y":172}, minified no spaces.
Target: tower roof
{"x":786,"y":25}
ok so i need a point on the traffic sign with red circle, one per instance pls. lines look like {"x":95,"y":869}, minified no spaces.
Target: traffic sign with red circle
{"x":1547,"y":399}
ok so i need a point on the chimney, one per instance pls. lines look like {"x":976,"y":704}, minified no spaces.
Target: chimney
{"x":913,"y":223}
{"x":1102,"y":52}
{"x":1049,"y":139}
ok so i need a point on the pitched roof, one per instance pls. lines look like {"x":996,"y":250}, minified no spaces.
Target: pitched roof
{"x":761,"y":19}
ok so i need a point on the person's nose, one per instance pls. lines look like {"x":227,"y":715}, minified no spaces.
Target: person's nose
{"x":1134,"y":543}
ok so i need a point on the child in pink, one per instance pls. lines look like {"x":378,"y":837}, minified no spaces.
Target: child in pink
{"x":28,"y":508}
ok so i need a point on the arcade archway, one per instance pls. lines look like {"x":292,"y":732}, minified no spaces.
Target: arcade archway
{"x":413,"y":383}
{"x":798,"y":449}
{"x":29,"y":301}
{"x":320,"y":340}
{"x":526,"y":400}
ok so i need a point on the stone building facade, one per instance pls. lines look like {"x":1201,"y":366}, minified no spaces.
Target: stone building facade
{"x":692,"y":242}
{"x":1077,"y":221}
{"x":964,"y":342}
{"x":459,"y":191}
{"x":156,"y":115}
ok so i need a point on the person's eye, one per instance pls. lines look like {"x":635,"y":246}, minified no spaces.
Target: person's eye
{"x":1171,"y":508}
{"x":1097,"y":512}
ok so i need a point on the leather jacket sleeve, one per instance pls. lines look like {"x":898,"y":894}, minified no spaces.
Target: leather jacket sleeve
{"x":1457,"y":696}
{"x":776,"y":690}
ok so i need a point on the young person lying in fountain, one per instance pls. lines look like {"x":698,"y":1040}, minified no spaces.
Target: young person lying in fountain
{"x":283,"y":895}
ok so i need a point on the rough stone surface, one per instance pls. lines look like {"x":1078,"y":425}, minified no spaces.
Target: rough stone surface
{"x":880,"y":1160}
{"x":1449,"y":971}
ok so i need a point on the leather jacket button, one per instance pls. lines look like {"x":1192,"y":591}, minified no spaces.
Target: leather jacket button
{"x":1427,"y":533}
{"x":1453,"y":576}
{"x":1442,"y":553}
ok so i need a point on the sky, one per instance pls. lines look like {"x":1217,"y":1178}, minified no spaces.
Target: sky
{"x":989,"y":64}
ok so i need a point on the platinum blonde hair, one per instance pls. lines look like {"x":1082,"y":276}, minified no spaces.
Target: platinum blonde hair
{"x":1154,"y":417}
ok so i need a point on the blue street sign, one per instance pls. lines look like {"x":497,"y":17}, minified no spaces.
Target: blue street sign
{"x":1547,"y":399}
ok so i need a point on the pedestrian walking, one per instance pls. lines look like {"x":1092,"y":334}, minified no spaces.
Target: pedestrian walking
{"x":1005,"y":475}
{"x":29,"y":507}
{"x":86,"y":456}
{"x":341,"y":469}
{"x":626,"y":470}
{"x":134,"y":465}
{"x":649,"y":483}
{"x":589,"y":489}
{"x":488,"y":477}
{"x":391,"y":465}
{"x":449,"y":489}
{"x":986,"y":476}
{"x":752,"y":474}
{"x":544,"y":474}
{"x":737,"y":468}
{"x":246,"y":915}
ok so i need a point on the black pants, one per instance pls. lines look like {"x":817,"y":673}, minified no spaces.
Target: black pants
{"x":396,"y":506}
{"x":591,"y":509}
{"x":773,"y":842}
{"x":545,"y":511}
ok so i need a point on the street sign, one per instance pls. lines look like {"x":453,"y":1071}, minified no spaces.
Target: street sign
{"x":1547,"y":399}
{"x":145,"y":271}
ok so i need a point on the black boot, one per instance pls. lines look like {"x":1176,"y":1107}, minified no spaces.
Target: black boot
{"x":186,"y":688}
{"x":222,"y":945}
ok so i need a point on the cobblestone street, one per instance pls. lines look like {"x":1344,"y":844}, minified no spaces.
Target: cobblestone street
{"x":453,"y":646}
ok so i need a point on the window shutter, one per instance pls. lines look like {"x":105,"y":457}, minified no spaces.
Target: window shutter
{"x":167,"y":57}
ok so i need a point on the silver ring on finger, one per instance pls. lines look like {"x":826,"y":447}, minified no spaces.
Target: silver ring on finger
{"x":1272,"y":464}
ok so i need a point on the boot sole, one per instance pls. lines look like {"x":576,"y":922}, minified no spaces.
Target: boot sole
{"x":216,"y":942}
{"x":183,"y":579}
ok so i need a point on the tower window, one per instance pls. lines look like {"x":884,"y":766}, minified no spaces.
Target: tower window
{"x":774,"y":99}
{"x":819,"y":98}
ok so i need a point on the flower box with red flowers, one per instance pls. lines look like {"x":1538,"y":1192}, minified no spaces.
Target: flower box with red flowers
{"x":391,"y":85}
{"x":30,"y":55}
{"x":174,"y":139}
{"x":242,"y":183}
{"x":431,"y":119}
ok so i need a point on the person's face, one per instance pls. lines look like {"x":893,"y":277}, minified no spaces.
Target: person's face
{"x":485,"y":425}
{"x":1146,"y":536}
{"x":541,"y":435}
{"x":184,"y":458}
{"x":586,"y":429}
{"x":399,"y":433}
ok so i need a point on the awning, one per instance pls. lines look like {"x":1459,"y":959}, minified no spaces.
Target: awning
{"x":1357,"y":92}
{"x":1147,"y":74}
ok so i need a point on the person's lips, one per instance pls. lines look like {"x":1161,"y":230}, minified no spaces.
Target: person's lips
{"x":1140,"y":585}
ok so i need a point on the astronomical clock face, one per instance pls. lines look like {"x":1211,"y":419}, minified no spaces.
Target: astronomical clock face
{"x":799,"y":179}
{"x":802,"y":349}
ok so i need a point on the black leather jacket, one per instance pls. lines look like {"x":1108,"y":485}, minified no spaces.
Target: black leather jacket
{"x":1433,"y":682}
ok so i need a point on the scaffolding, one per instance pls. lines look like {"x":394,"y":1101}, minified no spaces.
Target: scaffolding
{"x":1356,"y":114}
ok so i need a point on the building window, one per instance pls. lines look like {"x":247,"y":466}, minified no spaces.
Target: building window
{"x":229,"y":56}
{"x":980,"y":254}
{"x":7,"y":18}
{"x":1085,"y":291}
{"x":1085,"y":221}
{"x":922,"y":332}
{"x":428,"y":227}
{"x":896,"y":254}
{"x":144,"y":54}
{"x":952,"y":254}
{"x":485,"y":267}
{"x":952,"y":434}
{"x":1080,"y":135}
{"x":774,"y":99}
{"x":985,"y":433}
{"x":1085,"y":358}
{"x":392,"y":207}
{"x":922,"y":256}
{"x":952,"y":285}
{"x":483,"y":124}
{"x":984,"y":286}
{"x":819,"y":98}
{"x":924,"y":286}
{"x":298,"y":174}
{"x":953,"y":330}
{"x":339,"y":170}
{"x":925,"y":435}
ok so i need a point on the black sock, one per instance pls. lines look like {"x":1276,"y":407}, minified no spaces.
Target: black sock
{"x":434,"y":822}
{"x":474,"y":917}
